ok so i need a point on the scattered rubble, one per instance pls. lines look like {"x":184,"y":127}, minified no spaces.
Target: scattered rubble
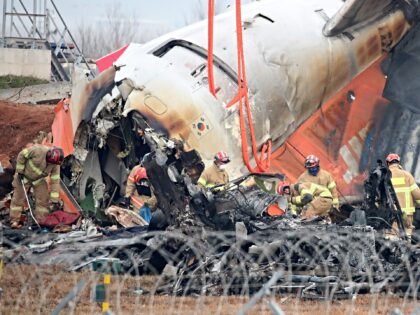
{"x":37,"y":94}
{"x":221,"y":242}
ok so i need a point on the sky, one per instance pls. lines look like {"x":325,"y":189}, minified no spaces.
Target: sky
{"x":168,"y":13}
{"x":150,"y":17}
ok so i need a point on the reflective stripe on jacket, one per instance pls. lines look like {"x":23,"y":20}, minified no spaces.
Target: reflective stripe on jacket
{"x":408,"y":193}
{"x":312,"y":190}
{"x":130,"y":188}
{"x":323,"y":178}
{"x":213,"y":176}
{"x":32,"y":164}
{"x":131,"y":191}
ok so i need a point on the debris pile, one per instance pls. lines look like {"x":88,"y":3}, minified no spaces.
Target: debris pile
{"x":221,"y":241}
{"x":316,"y":260}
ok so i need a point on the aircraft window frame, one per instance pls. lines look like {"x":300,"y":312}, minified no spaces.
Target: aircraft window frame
{"x":166,"y":47}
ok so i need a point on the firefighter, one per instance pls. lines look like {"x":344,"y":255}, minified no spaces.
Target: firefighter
{"x":283,"y":189}
{"x":216,"y":173}
{"x":140,"y":194}
{"x":34,"y":165}
{"x":316,"y":200}
{"x":408,"y":193}
{"x":316,"y":175}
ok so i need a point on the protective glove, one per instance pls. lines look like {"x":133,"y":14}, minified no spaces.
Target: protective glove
{"x":307,"y":198}
{"x":56,"y":205}
{"x":125,"y":201}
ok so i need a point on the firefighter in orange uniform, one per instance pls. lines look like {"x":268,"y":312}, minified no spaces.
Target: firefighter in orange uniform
{"x":140,"y":193}
{"x":316,"y":175}
{"x":34,"y":165}
{"x":406,"y":188}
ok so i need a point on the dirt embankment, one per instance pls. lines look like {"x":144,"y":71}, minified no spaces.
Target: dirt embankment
{"x":20,"y":124}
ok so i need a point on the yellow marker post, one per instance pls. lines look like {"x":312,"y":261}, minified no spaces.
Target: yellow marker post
{"x":107,"y":282}
{"x":106,"y":267}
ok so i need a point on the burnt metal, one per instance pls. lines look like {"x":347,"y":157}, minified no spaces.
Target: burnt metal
{"x":381,"y":200}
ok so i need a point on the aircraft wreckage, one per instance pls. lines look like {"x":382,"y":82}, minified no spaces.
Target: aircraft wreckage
{"x":222,"y":242}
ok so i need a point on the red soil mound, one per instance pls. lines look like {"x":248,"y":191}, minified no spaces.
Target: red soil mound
{"x":20,"y":124}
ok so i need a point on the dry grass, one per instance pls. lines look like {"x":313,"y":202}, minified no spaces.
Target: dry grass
{"x":34,"y":290}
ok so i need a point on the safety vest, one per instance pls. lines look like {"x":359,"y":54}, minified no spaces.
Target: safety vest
{"x":408,"y":193}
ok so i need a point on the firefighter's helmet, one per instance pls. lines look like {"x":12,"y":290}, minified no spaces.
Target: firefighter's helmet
{"x":311,"y":161}
{"x":55,"y":156}
{"x":222,"y":156}
{"x":140,"y":174}
{"x":393,"y":157}
{"x":282,"y":188}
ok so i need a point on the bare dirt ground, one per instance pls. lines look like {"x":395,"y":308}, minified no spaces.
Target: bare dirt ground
{"x":20,"y":124}
{"x":28,"y":289}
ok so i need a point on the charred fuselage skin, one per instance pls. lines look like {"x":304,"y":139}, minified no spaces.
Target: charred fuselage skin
{"x":292,"y":69}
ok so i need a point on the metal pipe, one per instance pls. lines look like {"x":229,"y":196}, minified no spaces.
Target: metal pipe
{"x":71,"y":36}
{"x":29,"y":203}
{"x":24,"y":14}
{"x":12,"y":6}
{"x":34,"y":29}
{"x":28,"y":32}
{"x":3,"y":28}
{"x":29,"y":16}
{"x":45,"y":19}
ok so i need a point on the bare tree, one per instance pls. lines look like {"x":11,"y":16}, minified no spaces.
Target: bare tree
{"x":114,"y":31}
{"x":199,"y":11}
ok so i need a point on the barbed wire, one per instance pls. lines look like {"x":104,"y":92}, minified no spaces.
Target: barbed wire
{"x":320,"y":269}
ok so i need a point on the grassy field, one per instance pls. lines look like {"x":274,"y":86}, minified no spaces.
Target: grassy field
{"x":30,"y":289}
{"x":12,"y":81}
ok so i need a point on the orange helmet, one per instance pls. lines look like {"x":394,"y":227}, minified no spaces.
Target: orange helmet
{"x":140,"y":174}
{"x":393,"y":157}
{"x":311,"y":161}
{"x":222,"y":156}
{"x":282,"y":186}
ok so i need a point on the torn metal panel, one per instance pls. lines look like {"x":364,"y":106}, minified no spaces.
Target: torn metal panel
{"x":354,"y":12}
{"x":116,"y":169}
{"x":166,"y":80}
{"x":91,"y":175}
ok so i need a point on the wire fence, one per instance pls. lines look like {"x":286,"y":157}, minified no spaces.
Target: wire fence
{"x":319,"y":269}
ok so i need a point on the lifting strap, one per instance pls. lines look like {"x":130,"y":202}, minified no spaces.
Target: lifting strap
{"x":262,"y":161}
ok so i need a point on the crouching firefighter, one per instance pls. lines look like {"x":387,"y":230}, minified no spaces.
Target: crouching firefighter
{"x":316,"y":175}
{"x":406,"y":189}
{"x":216,"y":173}
{"x":140,"y":194}
{"x":34,"y":166}
{"x":316,"y":200}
